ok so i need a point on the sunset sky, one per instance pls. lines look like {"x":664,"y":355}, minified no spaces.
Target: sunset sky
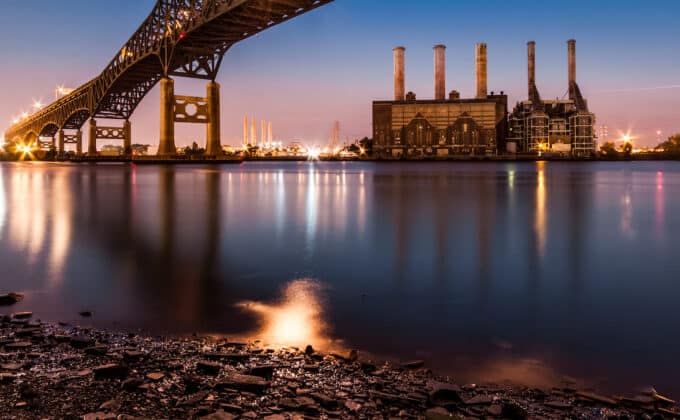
{"x":331,"y":63}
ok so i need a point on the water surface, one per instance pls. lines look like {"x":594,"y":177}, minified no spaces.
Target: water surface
{"x":526,"y":271}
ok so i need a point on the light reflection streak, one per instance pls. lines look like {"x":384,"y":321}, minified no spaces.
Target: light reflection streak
{"x":627,"y":211}
{"x":295,"y":320}
{"x":541,"y":217}
{"x":60,"y":227}
{"x":659,"y":205}
{"x":3,"y":204}
{"x":312,"y":209}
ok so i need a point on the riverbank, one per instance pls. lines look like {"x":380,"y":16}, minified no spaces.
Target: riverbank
{"x":61,"y":371}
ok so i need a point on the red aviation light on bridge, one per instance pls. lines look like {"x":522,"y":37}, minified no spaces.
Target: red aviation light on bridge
{"x":182,"y":36}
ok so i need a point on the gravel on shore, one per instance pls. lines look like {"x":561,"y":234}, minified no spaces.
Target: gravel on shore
{"x":50,"y":371}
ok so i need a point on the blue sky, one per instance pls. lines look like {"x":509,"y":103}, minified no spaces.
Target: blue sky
{"x":331,"y":63}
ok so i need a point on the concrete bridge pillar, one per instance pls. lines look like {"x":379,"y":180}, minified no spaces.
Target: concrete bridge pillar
{"x":60,"y":134}
{"x":166,"y":144}
{"x":214,"y":147}
{"x":79,"y":142}
{"x":92,"y":138}
{"x":127,"y":141}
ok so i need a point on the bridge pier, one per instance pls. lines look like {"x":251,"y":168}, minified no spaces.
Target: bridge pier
{"x":166,"y":144}
{"x":62,"y":146}
{"x":127,"y":137}
{"x":214,"y":146}
{"x":92,"y":138}
{"x":79,"y":142}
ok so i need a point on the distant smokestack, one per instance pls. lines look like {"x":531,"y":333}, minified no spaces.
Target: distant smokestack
{"x":439,"y":72}
{"x":253,"y":131}
{"x":263,"y":133}
{"x":531,"y":56}
{"x":245,"y":130}
{"x":571,"y":47}
{"x":269,"y":134}
{"x":399,"y":74}
{"x":481,"y":71}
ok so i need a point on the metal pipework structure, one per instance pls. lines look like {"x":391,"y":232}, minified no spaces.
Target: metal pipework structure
{"x":481,"y":62}
{"x":439,"y":72}
{"x":399,"y":74}
{"x":179,"y":38}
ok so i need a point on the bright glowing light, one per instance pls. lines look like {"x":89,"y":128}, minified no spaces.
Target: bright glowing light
{"x":313,"y":153}
{"x":295,"y":321}
{"x":24,"y":115}
{"x":25,"y":148}
{"x":37,"y":104}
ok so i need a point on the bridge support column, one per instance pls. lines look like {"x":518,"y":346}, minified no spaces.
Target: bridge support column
{"x":127,"y":140}
{"x":60,"y":134}
{"x":92,"y":138}
{"x":79,"y":142}
{"x":166,"y":144}
{"x":214,"y":146}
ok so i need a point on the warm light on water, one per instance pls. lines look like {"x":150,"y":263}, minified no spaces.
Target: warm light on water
{"x":296,"y":320}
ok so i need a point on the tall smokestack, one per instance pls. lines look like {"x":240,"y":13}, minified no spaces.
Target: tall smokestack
{"x":439,"y":72}
{"x":269,"y":134}
{"x":245,"y":130}
{"x":253,"y":131}
{"x":399,"y":74}
{"x":571,"y":47}
{"x":481,"y":71}
{"x":263,"y":133}
{"x":531,"y":59}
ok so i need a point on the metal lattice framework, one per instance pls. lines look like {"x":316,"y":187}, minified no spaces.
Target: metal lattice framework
{"x":184,"y":38}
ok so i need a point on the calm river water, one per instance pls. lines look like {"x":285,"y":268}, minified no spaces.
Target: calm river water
{"x":533,"y":272}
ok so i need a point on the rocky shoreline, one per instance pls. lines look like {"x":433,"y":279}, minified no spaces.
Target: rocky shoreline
{"x":50,"y":371}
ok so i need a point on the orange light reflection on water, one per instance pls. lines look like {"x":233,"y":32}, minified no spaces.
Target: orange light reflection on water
{"x":295,"y":320}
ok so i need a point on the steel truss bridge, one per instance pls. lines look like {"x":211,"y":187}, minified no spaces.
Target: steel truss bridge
{"x":180,"y":38}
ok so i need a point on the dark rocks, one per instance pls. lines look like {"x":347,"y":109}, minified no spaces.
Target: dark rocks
{"x":96,"y":350}
{"x":22,"y":315}
{"x":414,"y":364}
{"x":239,"y":382}
{"x":208,"y":368}
{"x":325,"y":400}
{"x":591,"y":396}
{"x":263,"y":371}
{"x":110,"y":371}
{"x":445,"y":394}
{"x":512,"y":410}
{"x":218,"y":415}
{"x":208,"y":377}
{"x":6,"y":378}
{"x":155,"y":376}
{"x":81,"y":341}
{"x":85,"y":314}
{"x":10,"y":299}
{"x":18,"y":345}
{"x":132,"y":384}
{"x":309,"y":350}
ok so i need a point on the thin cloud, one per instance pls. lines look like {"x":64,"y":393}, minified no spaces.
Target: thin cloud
{"x":639,"y":89}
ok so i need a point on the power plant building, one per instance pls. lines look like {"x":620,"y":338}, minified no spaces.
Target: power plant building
{"x":560,"y":126}
{"x":408,"y":127}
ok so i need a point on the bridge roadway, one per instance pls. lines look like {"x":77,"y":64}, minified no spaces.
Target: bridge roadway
{"x":180,"y":38}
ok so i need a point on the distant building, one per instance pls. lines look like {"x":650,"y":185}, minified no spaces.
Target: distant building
{"x":553,"y":126}
{"x":408,"y":127}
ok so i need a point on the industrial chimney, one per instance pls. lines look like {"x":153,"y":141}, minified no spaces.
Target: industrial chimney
{"x":531,"y":59}
{"x":399,"y":83}
{"x":481,"y":71}
{"x":439,"y":72}
{"x":571,"y":46}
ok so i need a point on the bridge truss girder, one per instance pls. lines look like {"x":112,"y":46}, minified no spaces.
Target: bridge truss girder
{"x":181,"y":38}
